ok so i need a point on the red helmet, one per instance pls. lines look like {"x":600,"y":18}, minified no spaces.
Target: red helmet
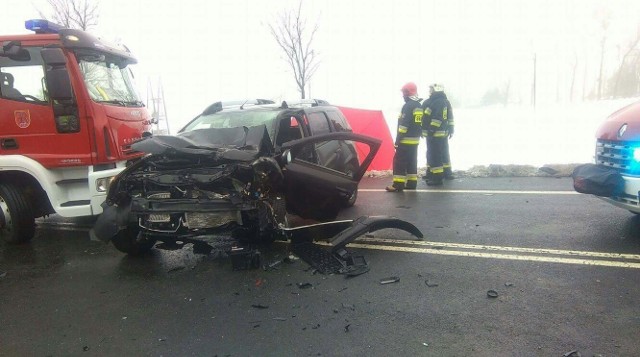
{"x":410,"y":89}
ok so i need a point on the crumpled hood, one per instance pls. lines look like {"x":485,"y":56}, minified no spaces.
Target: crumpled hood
{"x":243,"y":143}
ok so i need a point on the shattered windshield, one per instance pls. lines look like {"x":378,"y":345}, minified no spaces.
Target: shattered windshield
{"x":108,"y":79}
{"x":235,"y":119}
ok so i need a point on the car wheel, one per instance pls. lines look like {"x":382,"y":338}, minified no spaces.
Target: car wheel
{"x":17,"y":224}
{"x":129,"y":241}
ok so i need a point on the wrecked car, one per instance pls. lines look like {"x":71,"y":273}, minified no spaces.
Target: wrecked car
{"x":238,"y":172}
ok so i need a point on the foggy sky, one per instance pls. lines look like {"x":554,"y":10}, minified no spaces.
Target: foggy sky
{"x":206,"y":50}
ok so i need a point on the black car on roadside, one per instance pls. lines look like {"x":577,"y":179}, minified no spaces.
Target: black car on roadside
{"x":236,"y":169}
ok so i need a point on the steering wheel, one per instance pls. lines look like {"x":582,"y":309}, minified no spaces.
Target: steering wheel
{"x":32,"y":98}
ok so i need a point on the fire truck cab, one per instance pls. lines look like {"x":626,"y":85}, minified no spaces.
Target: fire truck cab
{"x":69,"y":113}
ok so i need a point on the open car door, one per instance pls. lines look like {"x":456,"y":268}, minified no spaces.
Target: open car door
{"x":314,"y":189}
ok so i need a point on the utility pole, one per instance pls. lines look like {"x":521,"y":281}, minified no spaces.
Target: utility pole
{"x":156,"y":103}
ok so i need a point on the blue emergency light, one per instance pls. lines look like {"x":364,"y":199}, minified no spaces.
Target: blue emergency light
{"x":636,"y":154}
{"x":42,"y":26}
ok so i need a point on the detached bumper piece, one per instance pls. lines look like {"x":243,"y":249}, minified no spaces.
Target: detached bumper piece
{"x":336,"y":259}
{"x":326,"y":262}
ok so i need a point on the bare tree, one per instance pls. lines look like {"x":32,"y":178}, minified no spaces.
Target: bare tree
{"x":291,"y":33}
{"x":574,"y":68}
{"x":631,"y":48}
{"x":605,"y":21}
{"x":77,"y":14}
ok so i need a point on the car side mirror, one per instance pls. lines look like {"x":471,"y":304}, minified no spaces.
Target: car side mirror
{"x":14,"y":50}
{"x":286,"y":157}
{"x":57,"y":77}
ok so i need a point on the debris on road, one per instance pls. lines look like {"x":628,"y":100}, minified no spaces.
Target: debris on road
{"x":279,"y":319}
{"x":508,"y":284}
{"x":430,"y":284}
{"x":389,"y":280}
{"x":492,"y":294}
{"x":3,"y":274}
{"x":346,"y":328}
{"x":244,"y":258}
{"x":573,"y":353}
{"x":259,"y":306}
{"x":304,"y":285}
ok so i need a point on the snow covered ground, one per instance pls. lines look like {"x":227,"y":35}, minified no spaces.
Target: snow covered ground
{"x":550,"y":134}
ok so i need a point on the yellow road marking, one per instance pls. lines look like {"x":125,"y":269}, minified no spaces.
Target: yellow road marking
{"x":531,"y":258}
{"x":436,"y":249}
{"x":501,"y":248}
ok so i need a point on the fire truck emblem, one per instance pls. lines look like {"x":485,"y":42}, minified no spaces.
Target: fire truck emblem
{"x":23,"y":118}
{"x":622,"y":129}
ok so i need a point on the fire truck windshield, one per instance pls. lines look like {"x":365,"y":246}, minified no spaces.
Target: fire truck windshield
{"x":108,"y":79}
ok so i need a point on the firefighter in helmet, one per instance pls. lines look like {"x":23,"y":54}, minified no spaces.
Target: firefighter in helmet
{"x":437,"y":127}
{"x":405,"y":160}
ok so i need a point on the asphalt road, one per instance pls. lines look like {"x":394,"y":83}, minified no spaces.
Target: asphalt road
{"x":564,"y":266}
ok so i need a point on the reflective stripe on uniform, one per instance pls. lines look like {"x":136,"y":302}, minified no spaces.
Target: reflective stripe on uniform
{"x":427,"y":111}
{"x":436,"y":170}
{"x":435,"y":122}
{"x":440,"y":134}
{"x":412,"y":177}
{"x":399,"y":178}
{"x":410,"y":141}
{"x":447,"y":166}
{"x":417,"y":115}
{"x":402,"y":129}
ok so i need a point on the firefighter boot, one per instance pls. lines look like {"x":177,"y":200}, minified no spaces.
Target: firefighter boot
{"x":427,"y":176}
{"x":435,"y":179}
{"x":412,"y":182}
{"x":448,"y":174}
{"x":393,"y":188}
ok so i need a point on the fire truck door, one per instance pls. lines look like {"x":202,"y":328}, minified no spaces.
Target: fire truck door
{"x":36,"y":120}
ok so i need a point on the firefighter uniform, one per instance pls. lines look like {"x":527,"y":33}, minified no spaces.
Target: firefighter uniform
{"x":435,"y":127}
{"x":446,"y":158}
{"x":405,"y":160}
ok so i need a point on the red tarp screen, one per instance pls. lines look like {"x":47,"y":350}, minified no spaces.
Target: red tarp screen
{"x":372,"y":123}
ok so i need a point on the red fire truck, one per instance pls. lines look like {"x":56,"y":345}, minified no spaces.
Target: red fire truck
{"x":69,"y":113}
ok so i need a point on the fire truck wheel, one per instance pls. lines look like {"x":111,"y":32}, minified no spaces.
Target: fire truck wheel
{"x":17,"y":224}
{"x":129,"y":241}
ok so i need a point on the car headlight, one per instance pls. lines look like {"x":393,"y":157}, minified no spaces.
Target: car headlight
{"x":102,"y":184}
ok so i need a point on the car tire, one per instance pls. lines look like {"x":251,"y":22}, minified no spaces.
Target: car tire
{"x":127,"y":241}
{"x":17,"y":224}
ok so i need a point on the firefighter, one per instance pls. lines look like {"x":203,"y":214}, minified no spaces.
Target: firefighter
{"x":437,"y":128}
{"x":446,"y":157}
{"x":405,"y":160}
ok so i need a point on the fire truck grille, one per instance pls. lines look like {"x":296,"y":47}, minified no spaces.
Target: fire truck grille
{"x":618,"y":155}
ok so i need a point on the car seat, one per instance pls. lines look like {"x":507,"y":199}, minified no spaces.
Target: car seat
{"x":6,"y":87}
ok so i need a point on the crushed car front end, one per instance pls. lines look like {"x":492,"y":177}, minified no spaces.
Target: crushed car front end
{"x":186,"y":190}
